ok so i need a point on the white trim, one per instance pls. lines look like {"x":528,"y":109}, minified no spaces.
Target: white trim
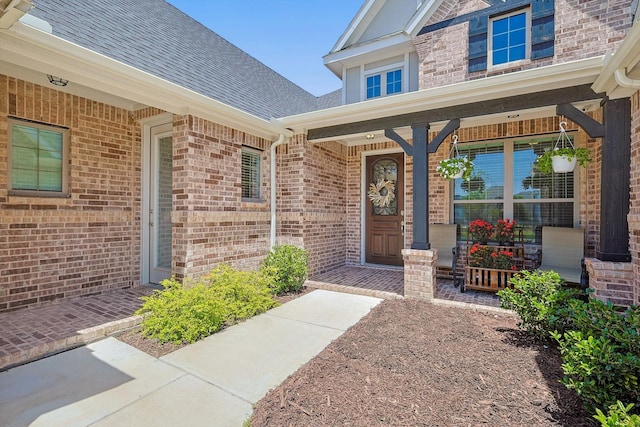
{"x":527,"y":42}
{"x":147,"y":125}
{"x":626,"y":57}
{"x":363,"y":195}
{"x":556,"y":76}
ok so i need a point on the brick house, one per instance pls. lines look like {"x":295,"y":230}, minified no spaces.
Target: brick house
{"x":131,"y":153}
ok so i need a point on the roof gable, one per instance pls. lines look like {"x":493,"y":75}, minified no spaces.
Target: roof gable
{"x":379,"y":18}
{"x":154,"y":36}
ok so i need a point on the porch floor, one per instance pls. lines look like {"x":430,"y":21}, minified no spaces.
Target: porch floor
{"x":388,"y":282}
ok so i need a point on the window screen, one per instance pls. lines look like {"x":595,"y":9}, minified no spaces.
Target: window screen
{"x":251,"y":173}
{"x":37,"y":158}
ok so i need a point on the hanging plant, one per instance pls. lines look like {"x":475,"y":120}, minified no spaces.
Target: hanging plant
{"x":564,"y":155}
{"x":455,"y":166}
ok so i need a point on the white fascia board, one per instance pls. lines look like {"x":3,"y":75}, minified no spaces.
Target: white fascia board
{"x":626,"y":57}
{"x":37,"y":50}
{"x":396,"y":43}
{"x":556,"y":76}
{"x":354,"y":25}
{"x":422,"y":15}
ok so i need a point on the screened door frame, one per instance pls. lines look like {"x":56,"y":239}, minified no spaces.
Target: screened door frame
{"x":145,"y":180}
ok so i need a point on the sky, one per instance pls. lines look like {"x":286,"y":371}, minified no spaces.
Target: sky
{"x":289,"y":36}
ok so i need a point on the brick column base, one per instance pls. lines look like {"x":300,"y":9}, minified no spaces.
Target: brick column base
{"x":612,"y":281}
{"x":420,"y":273}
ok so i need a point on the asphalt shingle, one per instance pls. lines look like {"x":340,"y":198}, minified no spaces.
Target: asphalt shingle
{"x":155,"y":37}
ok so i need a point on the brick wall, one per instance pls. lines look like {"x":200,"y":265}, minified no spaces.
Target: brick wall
{"x":89,"y":242}
{"x":211,"y":222}
{"x":582,"y":30}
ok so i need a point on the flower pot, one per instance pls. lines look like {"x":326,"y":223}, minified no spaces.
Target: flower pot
{"x":457,"y":175}
{"x":562,"y":164}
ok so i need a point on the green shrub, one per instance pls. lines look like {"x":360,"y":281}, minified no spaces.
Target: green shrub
{"x":618,"y":416}
{"x":287,"y":265}
{"x":540,"y":301}
{"x":186,"y":313}
{"x":179,"y":314}
{"x":244,"y":293}
{"x":601,"y":358}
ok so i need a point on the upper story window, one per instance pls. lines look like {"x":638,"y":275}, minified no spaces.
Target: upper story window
{"x":251,"y":159}
{"x":506,"y":183}
{"x":509,"y":40}
{"x":38,"y":159}
{"x":384,"y":83}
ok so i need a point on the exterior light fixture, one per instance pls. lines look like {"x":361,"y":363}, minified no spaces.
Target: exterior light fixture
{"x":370,"y":136}
{"x":57,"y":81}
{"x":513,"y":116}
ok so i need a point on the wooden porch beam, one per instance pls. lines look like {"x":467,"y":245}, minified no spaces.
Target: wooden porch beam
{"x":445,"y":132}
{"x":393,"y":135}
{"x":475,"y":109}
{"x":592,"y":127}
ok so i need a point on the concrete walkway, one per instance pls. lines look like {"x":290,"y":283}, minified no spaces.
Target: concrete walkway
{"x":213,"y":382}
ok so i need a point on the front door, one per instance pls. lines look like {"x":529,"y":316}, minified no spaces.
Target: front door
{"x":385,"y":209}
{"x":160,"y":203}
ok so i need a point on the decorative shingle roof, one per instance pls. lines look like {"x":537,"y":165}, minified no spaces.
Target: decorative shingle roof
{"x":155,"y":37}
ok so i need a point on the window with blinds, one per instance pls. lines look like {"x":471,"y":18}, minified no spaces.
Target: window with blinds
{"x":507,"y":184}
{"x":251,"y":173}
{"x":37,"y":159}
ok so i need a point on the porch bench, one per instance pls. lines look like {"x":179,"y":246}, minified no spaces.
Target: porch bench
{"x":443,"y":237}
{"x":563,"y":252}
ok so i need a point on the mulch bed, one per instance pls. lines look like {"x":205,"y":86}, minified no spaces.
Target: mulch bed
{"x":410,"y":363}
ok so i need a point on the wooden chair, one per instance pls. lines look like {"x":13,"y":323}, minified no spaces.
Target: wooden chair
{"x":443,"y":237}
{"x":563,"y":252}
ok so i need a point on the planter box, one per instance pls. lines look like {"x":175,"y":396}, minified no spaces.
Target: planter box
{"x":487,"y":279}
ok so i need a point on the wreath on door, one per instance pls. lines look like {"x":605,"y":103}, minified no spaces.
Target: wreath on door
{"x":381,"y":193}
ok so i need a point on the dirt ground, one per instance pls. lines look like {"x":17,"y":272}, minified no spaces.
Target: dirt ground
{"x":410,"y":363}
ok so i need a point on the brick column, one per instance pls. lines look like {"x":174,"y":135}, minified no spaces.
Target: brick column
{"x":612,"y":281}
{"x":419,"y":273}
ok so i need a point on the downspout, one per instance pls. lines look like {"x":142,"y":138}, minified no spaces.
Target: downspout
{"x":281,"y":140}
{"x":623,"y":80}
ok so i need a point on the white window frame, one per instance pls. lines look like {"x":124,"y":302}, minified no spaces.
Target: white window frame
{"x":64,"y":192}
{"x":257,"y":185}
{"x":527,"y":54}
{"x":382,"y":71}
{"x":507,"y":199}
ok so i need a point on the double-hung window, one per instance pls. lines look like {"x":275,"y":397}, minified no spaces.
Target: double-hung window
{"x":38,"y":159}
{"x":509,"y":38}
{"x":507,"y":184}
{"x":384,"y":84}
{"x":251,"y":159}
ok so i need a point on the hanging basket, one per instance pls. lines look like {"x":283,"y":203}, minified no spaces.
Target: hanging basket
{"x":563,"y":163}
{"x":564,"y":156}
{"x":455,"y":166}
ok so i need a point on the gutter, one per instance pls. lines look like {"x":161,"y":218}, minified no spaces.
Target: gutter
{"x":272,"y":235}
{"x":623,"y":80}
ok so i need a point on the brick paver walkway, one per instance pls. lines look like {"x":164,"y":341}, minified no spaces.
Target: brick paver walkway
{"x":31,"y":333}
{"x":389,"y":283}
